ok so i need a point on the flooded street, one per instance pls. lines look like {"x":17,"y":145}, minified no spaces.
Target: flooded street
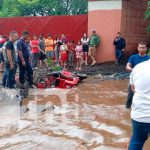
{"x":91,"y":116}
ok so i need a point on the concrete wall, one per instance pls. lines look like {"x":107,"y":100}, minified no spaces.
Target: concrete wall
{"x":108,"y":17}
{"x":105,"y":17}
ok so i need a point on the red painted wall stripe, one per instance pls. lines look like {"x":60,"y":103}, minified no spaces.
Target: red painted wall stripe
{"x":72,"y":26}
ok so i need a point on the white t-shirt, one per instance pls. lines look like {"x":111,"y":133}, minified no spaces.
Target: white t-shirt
{"x":140,"y":78}
{"x":63,"y":48}
{"x":85,"y":41}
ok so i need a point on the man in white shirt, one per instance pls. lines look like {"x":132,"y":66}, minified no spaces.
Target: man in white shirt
{"x":140,"y":113}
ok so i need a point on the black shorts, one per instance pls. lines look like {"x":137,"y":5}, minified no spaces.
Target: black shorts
{"x":85,"y":48}
{"x":1,"y":57}
{"x":42,"y":56}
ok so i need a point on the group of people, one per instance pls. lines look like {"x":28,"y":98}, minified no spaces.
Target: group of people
{"x":139,"y":96}
{"x":27,"y":54}
{"x":66,"y":52}
{"x":62,"y":51}
{"x":15,"y":54}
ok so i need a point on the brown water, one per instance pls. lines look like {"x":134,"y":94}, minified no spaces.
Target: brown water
{"x":89,"y":117}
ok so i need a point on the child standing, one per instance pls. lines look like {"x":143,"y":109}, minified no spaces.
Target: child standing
{"x":79,"y":55}
{"x":63,"y":54}
{"x":71,"y":53}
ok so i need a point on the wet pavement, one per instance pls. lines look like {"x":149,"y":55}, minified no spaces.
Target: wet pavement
{"x":91,"y":116}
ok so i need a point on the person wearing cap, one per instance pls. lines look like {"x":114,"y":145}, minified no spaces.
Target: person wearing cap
{"x":49,"y":47}
{"x":93,"y":44}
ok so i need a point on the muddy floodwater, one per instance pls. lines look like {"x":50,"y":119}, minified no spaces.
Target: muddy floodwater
{"x":91,"y":116}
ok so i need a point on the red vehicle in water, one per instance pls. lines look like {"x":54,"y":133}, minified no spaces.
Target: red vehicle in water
{"x":60,"y":79}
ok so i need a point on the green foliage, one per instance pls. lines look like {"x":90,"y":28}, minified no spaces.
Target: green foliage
{"x":1,"y":3}
{"x":49,"y":62}
{"x":79,"y":7}
{"x":12,"y":8}
{"x":56,"y":68}
{"x":9,"y":8}
{"x":147,"y":15}
{"x":52,"y":66}
{"x":148,"y":52}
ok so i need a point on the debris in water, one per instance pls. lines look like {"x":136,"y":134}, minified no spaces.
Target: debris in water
{"x":116,"y":76}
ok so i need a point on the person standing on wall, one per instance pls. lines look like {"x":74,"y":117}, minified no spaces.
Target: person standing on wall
{"x":10,"y":61}
{"x":93,"y":44}
{"x":132,"y":62}
{"x":35,"y":51}
{"x":120,"y":45}
{"x":25,"y":69}
{"x":85,"y":44}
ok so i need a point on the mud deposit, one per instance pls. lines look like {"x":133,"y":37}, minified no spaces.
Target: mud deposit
{"x":91,"y":116}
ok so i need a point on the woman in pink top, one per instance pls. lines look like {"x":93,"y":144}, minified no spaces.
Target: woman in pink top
{"x":79,"y":55}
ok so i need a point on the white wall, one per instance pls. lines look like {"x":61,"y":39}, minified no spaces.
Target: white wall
{"x":105,"y":5}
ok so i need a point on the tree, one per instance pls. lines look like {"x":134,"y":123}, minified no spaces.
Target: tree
{"x":147,"y":15}
{"x":9,"y":8}
{"x":14,"y":8}
{"x":1,"y":3}
{"x":79,"y":7}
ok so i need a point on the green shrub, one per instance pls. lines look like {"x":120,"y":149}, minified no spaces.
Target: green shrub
{"x":148,"y":52}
